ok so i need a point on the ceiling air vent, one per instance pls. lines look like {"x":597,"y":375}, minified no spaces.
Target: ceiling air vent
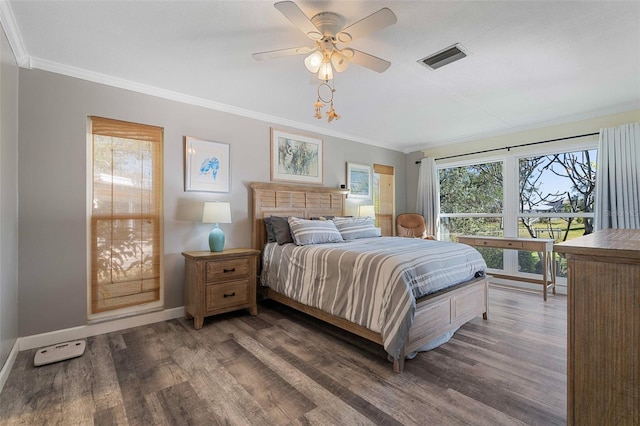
{"x":444,"y":57}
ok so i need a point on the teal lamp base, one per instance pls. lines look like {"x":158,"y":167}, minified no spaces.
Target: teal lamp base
{"x":216,"y":239}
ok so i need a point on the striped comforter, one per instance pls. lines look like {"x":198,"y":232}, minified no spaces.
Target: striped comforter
{"x":373,"y":282}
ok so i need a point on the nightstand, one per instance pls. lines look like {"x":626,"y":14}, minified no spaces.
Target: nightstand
{"x":218,"y":282}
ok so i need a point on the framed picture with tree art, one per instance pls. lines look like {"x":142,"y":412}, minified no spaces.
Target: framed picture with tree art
{"x":295,"y":158}
{"x":359,"y":180}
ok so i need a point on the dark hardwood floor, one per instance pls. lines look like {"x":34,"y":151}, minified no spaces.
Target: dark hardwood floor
{"x":282,"y":367}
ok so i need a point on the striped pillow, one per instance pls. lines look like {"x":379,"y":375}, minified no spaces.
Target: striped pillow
{"x":307,"y":232}
{"x":356,"y":227}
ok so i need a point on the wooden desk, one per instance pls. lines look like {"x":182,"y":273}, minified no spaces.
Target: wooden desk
{"x":541,"y":245}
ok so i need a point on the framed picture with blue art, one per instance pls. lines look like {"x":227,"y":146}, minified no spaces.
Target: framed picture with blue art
{"x":359,"y":180}
{"x":206,"y":166}
{"x":295,"y":157}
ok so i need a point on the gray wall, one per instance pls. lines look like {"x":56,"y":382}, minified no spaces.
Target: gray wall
{"x":53,"y":191}
{"x":8,"y":199}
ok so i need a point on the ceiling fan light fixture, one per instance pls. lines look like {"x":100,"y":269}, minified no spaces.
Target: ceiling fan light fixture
{"x":343,"y":37}
{"x":325,"y":72}
{"x":313,"y":61}
{"x":314,"y":35}
{"x":339,"y":61}
{"x":326,"y":29}
{"x":347,"y":52}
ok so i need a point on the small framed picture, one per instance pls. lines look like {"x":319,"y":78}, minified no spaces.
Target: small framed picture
{"x":359,"y":180}
{"x":295,"y":158}
{"x":207,"y":166}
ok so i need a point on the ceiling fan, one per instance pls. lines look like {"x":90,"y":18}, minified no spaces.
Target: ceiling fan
{"x":327,"y":30}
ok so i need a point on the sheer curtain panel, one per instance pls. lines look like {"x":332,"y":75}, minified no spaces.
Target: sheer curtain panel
{"x":428,"y":201}
{"x":618,"y":178}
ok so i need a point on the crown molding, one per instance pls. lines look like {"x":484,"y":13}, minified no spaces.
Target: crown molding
{"x":591,"y":115}
{"x":13,"y":35}
{"x":133,"y":86}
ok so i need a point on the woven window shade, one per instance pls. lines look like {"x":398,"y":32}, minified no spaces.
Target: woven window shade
{"x":126,"y":214}
{"x":383,"y":170}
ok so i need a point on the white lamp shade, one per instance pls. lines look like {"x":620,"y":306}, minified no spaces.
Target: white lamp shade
{"x":325,"y":72}
{"x":313,"y":61}
{"x":366,"y":211}
{"x":216,"y":212}
{"x":340,"y":62}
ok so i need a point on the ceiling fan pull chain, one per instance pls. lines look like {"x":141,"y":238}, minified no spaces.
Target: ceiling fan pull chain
{"x":327,"y":29}
{"x":331,"y":114}
{"x":327,"y":99}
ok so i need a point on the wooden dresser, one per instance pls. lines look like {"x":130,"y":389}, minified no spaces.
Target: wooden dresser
{"x":603,"y":353}
{"x":217,"y":282}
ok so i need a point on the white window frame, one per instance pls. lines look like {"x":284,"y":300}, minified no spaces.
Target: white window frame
{"x":511,"y":211}
{"x":470,"y":162}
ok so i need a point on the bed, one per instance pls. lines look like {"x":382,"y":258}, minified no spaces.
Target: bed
{"x":412,"y":321}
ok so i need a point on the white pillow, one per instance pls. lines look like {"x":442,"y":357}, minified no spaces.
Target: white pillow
{"x":307,"y":232}
{"x":356,"y":227}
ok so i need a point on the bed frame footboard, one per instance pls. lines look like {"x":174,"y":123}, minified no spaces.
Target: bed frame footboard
{"x":436,"y":314}
{"x":443,"y":312}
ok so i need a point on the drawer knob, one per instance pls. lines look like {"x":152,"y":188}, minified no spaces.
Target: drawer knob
{"x":228,"y":270}
{"x":229,"y":295}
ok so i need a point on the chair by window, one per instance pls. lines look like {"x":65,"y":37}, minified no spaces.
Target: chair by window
{"x":411,"y":225}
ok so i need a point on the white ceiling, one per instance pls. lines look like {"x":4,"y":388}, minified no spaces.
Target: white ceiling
{"x":531,"y":63}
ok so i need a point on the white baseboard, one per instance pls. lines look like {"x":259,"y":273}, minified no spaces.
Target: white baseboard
{"x":59,"y":336}
{"x":8,"y":364}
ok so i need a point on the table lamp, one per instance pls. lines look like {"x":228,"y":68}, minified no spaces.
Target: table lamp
{"x":366,"y":211}
{"x":216,"y":212}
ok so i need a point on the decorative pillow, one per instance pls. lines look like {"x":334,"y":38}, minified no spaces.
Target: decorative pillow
{"x":356,"y":227}
{"x":271,"y":236}
{"x":281,"y":230}
{"x":307,"y":232}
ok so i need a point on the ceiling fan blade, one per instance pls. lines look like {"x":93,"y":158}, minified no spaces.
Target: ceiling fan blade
{"x":374,"y":22}
{"x":273,"y":54}
{"x":292,"y":12}
{"x":369,"y":61}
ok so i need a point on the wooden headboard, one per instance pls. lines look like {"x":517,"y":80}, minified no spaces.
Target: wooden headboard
{"x":278,"y":199}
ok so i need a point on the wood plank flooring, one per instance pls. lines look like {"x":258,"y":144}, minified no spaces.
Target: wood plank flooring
{"x":282,"y":367}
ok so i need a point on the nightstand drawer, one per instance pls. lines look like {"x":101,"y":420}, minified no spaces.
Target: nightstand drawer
{"x":220,"y":296}
{"x":218,"y":282}
{"x":226,"y":270}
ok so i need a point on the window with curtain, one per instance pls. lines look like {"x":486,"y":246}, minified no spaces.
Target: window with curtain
{"x":125,"y":215}
{"x":535,"y":195}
